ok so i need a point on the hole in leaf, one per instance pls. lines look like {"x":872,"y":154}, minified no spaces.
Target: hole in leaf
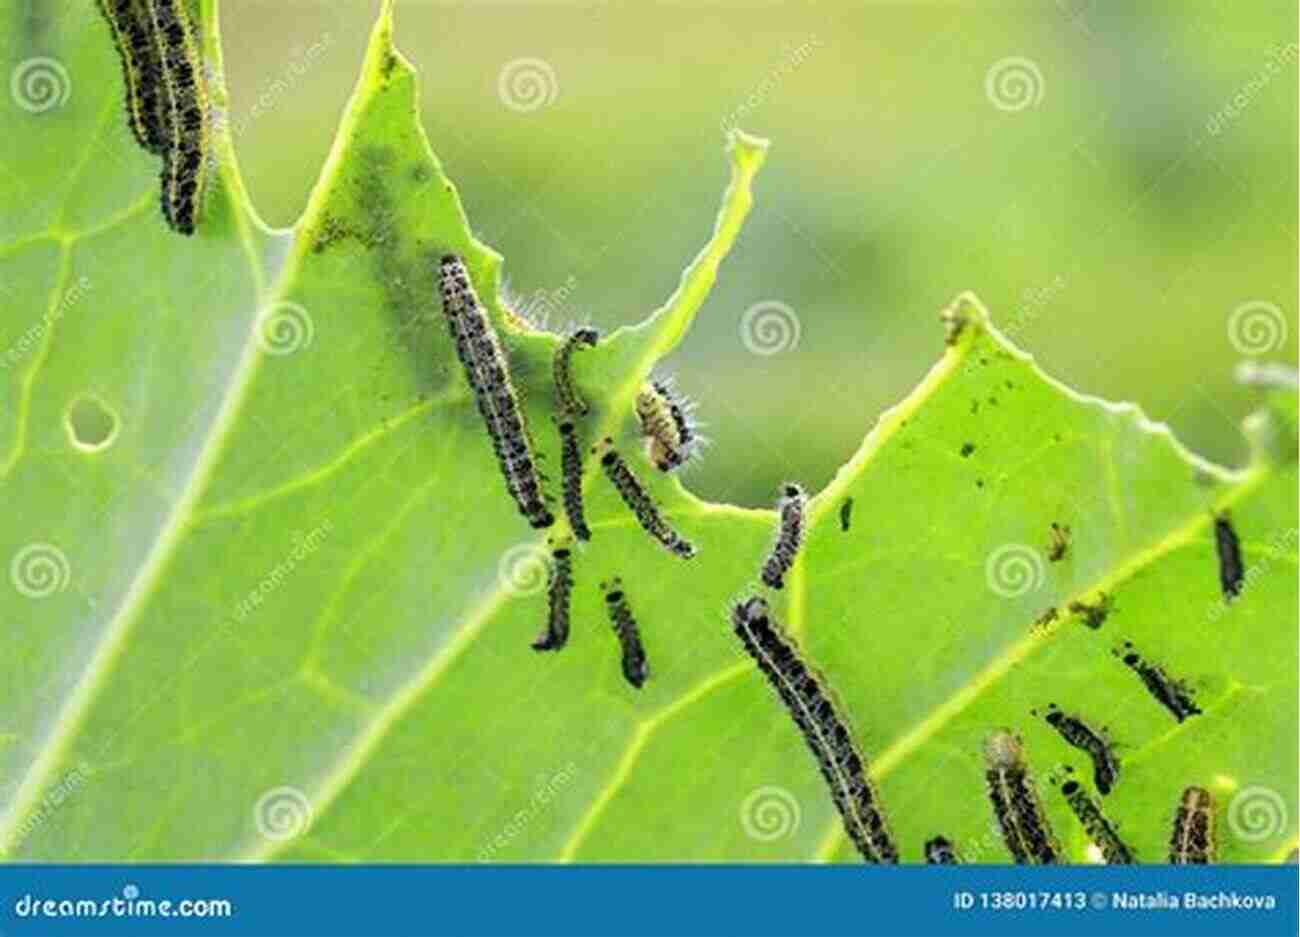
{"x":91,"y":425}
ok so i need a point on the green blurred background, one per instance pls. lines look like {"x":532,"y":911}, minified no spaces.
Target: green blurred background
{"x":1125,"y":186}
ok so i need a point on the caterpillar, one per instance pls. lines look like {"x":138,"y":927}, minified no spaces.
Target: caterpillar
{"x":571,"y":471}
{"x":570,"y":401}
{"x":639,"y":501}
{"x":1105,"y":769}
{"x":670,"y":438}
{"x":141,"y":71}
{"x":1228,"y":546}
{"x":1192,"y":841}
{"x":939,"y":851}
{"x":1060,"y":544}
{"x":559,"y":590}
{"x":635,"y":668}
{"x":823,"y":728}
{"x":1169,"y":693}
{"x":1099,"y":829}
{"x":789,"y":535}
{"x":488,"y":375}
{"x":184,"y":110}
{"x":1016,"y":806}
{"x":846,"y":514}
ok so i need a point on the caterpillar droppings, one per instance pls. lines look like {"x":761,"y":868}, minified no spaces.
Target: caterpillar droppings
{"x":824,"y":729}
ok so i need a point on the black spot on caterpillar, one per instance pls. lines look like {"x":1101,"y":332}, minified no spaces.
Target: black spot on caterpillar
{"x":823,"y":728}
{"x":1228,"y":547}
{"x":1094,"y":615}
{"x":639,"y":501}
{"x":1192,"y":841}
{"x":1016,"y":806}
{"x":788,"y":537}
{"x":667,"y":429}
{"x":1099,"y":829}
{"x":635,"y":669}
{"x":567,"y":394}
{"x":1105,"y":769}
{"x":558,"y":592}
{"x":184,"y":107}
{"x":1060,"y":544}
{"x":939,"y":851}
{"x":1172,"y":694}
{"x":846,"y":514}
{"x":488,"y":375}
{"x":141,"y":70}
{"x":571,"y":472}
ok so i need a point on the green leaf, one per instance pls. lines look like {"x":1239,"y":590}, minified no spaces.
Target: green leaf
{"x":287,"y":602}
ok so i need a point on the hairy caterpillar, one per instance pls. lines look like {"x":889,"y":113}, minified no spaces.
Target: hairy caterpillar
{"x":639,"y":501}
{"x":1192,"y":841}
{"x":184,"y":112}
{"x":571,"y":471}
{"x":559,"y":590}
{"x":1016,"y":806}
{"x":570,"y":401}
{"x":1105,"y":769}
{"x":1099,"y":829}
{"x":488,"y":375}
{"x":1169,"y":693}
{"x":1228,"y":546}
{"x":635,"y":668}
{"x":141,"y":70}
{"x":939,"y":851}
{"x":823,"y":728}
{"x":788,"y":537}
{"x":667,"y":429}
